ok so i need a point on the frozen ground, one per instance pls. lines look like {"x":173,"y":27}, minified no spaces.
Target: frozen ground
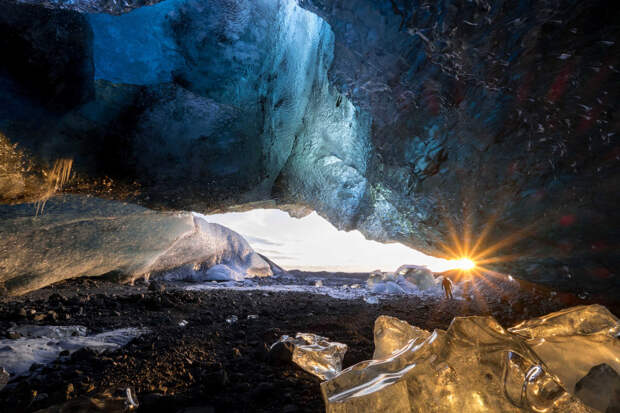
{"x":344,"y":286}
{"x":194,"y":358}
{"x":44,"y":344}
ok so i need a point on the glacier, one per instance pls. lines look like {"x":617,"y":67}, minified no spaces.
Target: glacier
{"x":83,"y":236}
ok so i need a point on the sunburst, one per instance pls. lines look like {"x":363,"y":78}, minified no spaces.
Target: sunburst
{"x":469,"y":254}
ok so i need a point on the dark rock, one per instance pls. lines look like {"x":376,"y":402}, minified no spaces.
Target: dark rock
{"x":69,"y":389}
{"x":216,"y":379}
{"x":35,"y":366}
{"x":47,"y":57}
{"x":264,"y":390}
{"x":280,"y":352}
{"x":13,"y":335}
{"x":84,"y":354}
{"x":290,"y":408}
{"x":4,"y":378}
{"x":198,"y":409}
{"x":600,"y":389}
{"x":157,"y":287}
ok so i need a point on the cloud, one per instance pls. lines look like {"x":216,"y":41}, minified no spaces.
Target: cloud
{"x":265,"y":241}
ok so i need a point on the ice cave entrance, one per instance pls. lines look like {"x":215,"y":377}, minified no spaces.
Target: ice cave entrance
{"x":312,"y":243}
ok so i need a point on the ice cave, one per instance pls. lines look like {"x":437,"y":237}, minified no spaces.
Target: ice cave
{"x":341,"y":206}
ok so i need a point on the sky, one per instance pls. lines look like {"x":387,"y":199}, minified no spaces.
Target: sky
{"x":313,"y":244}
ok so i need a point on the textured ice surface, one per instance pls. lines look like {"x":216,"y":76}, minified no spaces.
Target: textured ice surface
{"x":419,"y":276}
{"x":371,"y":299}
{"x":127,"y":53}
{"x":574,"y":340}
{"x":43,"y":344}
{"x":93,"y":6}
{"x":407,"y":279}
{"x":392,"y":334}
{"x":475,"y":366}
{"x":223,"y":272}
{"x":232,"y":319}
{"x":315,"y":354}
{"x":79,"y":236}
{"x":252,"y":101}
{"x":338,"y":292}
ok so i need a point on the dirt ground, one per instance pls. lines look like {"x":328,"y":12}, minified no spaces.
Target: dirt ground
{"x":210,"y":365}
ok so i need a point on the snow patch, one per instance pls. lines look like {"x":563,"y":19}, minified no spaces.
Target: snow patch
{"x":43,"y":344}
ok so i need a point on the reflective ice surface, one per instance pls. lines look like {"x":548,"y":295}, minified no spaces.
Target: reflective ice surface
{"x":574,"y":340}
{"x":315,"y":354}
{"x":478,"y":366}
{"x":392,"y":334}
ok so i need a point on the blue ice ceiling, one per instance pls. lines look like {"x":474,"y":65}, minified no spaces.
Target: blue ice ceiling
{"x":253,"y":74}
{"x":137,"y":47}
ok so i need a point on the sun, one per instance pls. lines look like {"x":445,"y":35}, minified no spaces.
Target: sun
{"x":464,"y":264}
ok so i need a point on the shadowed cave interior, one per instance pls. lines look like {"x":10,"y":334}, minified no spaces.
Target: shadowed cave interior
{"x":136,"y":136}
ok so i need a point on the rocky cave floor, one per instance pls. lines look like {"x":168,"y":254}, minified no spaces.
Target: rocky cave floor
{"x":210,"y":365}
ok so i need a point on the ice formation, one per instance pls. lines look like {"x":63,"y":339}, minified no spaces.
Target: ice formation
{"x":419,"y":276}
{"x":43,"y":344}
{"x":93,"y":6}
{"x":392,"y":334}
{"x":478,"y":366}
{"x":315,"y":354}
{"x":407,"y":279}
{"x":560,"y":339}
{"x":80,"y":236}
{"x":255,"y":103}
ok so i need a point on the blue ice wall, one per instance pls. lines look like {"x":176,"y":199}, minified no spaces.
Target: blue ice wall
{"x":248,"y":98}
{"x":136,"y":47}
